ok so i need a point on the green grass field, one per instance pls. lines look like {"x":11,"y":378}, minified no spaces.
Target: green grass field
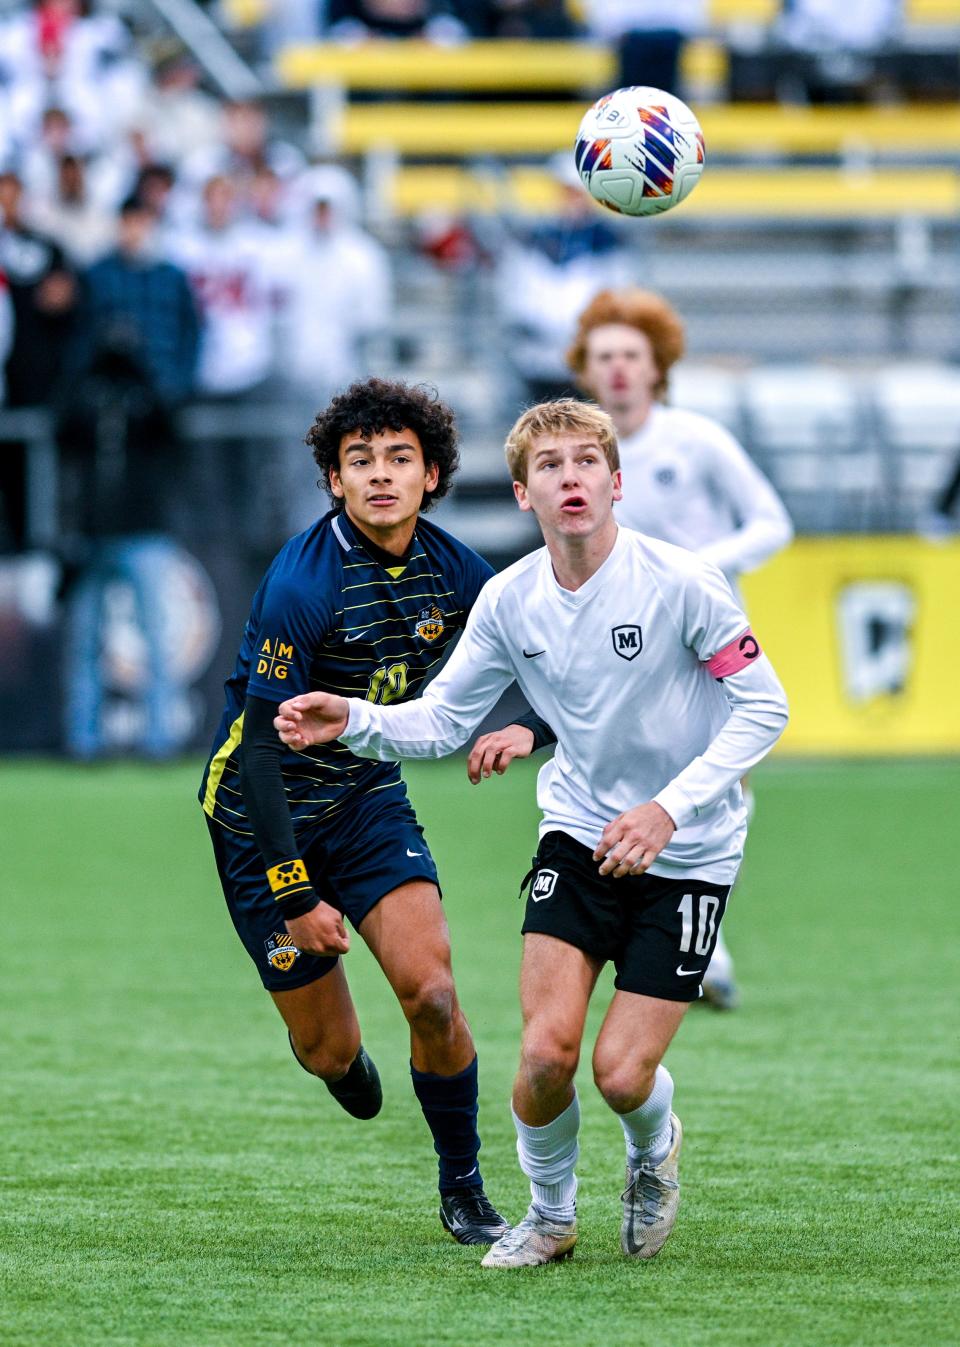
{"x":171,"y":1177}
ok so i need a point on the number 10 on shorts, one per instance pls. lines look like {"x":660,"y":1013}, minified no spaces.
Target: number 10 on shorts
{"x":706,"y":923}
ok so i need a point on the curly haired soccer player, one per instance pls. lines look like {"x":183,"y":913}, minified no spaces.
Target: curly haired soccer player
{"x":364,"y":603}
{"x":660,"y":696}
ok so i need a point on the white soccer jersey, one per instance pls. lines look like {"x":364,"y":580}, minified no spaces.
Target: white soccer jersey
{"x":687,"y":480}
{"x":619,"y":669}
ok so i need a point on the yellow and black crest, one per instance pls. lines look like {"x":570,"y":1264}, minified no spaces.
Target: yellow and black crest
{"x":281,"y":952}
{"x":429,"y":623}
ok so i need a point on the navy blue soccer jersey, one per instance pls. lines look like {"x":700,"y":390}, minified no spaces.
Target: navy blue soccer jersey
{"x":334,"y":613}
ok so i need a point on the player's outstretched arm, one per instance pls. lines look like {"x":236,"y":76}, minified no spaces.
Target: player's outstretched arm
{"x":312,"y":718}
{"x":633,"y":840}
{"x":494,"y":752}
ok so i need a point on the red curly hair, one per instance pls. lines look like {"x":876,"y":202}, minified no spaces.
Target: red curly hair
{"x":642,"y":309}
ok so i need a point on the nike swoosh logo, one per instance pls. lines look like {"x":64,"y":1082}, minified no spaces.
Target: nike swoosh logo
{"x":687,"y":972}
{"x":348,"y":640}
{"x":458,"y":1177}
{"x":532,"y":654}
{"x":414,"y":853}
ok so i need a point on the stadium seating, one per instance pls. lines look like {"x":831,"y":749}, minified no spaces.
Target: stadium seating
{"x":711,"y":391}
{"x":918,"y":412}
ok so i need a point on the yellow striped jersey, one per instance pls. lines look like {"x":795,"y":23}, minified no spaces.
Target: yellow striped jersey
{"x":335,"y":613}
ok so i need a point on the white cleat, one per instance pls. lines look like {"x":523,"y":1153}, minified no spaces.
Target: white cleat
{"x":650,"y":1202}
{"x":720,"y":993}
{"x":719,"y":981}
{"x":532,"y":1243}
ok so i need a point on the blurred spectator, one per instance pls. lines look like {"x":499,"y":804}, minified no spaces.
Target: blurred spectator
{"x":41,"y":293}
{"x":836,"y":47}
{"x":44,"y":295}
{"x":267,"y":198}
{"x":176,"y":117}
{"x":825,"y":25}
{"x":108,"y":174}
{"x":56,"y":52}
{"x":82,"y":227}
{"x":124,"y":472}
{"x":649,"y":34}
{"x":137,"y":328}
{"x":246,"y":146}
{"x":340,"y":287}
{"x":539,"y":19}
{"x":154,"y":188}
{"x":548,"y":271}
{"x":7,"y":321}
{"x":11,"y":458}
{"x":360,"y":20}
{"x":234,"y":277}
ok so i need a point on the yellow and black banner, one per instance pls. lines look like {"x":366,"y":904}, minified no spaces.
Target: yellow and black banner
{"x":865,"y":635}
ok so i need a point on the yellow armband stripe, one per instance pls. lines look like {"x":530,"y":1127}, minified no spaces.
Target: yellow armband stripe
{"x":287,"y":878}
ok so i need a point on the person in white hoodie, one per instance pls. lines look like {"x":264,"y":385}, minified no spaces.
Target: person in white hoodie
{"x":339,"y":291}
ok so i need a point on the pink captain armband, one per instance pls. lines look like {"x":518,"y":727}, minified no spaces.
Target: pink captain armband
{"x":741,"y":651}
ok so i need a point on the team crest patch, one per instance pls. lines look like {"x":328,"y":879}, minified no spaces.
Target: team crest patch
{"x":282,"y":953}
{"x":543,"y":885}
{"x":627,"y":640}
{"x":429,"y":623}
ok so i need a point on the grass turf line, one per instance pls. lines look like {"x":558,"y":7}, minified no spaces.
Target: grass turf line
{"x":171,"y":1177}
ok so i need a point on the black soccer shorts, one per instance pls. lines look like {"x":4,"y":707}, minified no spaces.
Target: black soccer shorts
{"x":658,"y":933}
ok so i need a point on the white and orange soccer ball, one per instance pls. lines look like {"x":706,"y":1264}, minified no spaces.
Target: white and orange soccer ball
{"x":639,"y":151}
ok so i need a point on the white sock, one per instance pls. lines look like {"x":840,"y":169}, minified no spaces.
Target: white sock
{"x":547,"y":1156}
{"x":647,"y":1128}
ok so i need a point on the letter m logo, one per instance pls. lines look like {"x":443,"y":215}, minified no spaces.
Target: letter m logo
{"x":627,"y":641}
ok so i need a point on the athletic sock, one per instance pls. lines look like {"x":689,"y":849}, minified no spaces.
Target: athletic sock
{"x":647,"y":1129}
{"x":547,"y":1156}
{"x":449,"y":1105}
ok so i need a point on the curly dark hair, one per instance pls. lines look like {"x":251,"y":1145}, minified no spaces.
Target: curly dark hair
{"x":375,"y":405}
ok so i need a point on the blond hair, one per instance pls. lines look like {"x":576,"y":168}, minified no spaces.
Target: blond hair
{"x":564,"y":416}
{"x":642,"y":309}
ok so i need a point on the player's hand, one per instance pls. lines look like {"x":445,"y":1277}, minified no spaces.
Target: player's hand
{"x":319,"y":931}
{"x":311,"y":718}
{"x":495,"y":752}
{"x":634,"y":840}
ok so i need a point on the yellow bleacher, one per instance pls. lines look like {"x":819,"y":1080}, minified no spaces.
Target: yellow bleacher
{"x":732,"y":193}
{"x":516,"y":129}
{"x":476,"y":66}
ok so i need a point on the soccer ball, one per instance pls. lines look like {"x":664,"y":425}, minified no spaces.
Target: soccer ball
{"x":639,"y":151}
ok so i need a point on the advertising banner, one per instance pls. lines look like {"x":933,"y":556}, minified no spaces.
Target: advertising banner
{"x":865,"y":634}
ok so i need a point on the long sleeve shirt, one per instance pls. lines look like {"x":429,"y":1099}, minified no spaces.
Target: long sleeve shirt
{"x":650,"y":678}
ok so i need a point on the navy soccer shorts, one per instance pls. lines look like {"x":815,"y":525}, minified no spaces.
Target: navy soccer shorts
{"x":658,"y":933}
{"x":353,"y":858}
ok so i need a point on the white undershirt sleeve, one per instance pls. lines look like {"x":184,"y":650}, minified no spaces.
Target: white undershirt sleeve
{"x":711,"y":620}
{"x":451,"y":707}
{"x":758,"y":716}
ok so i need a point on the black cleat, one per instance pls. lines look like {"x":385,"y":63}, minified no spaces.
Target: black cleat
{"x":359,"y":1091}
{"x":470,"y":1217}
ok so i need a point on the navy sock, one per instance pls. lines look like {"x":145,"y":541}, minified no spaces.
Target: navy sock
{"x":449,"y":1105}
